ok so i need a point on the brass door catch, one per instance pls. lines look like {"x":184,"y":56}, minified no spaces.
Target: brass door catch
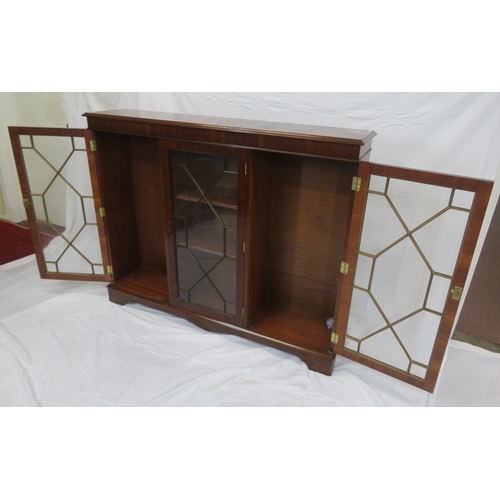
{"x":456,"y":293}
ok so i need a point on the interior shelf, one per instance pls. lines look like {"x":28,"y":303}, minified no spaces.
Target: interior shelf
{"x":144,"y":283}
{"x":217,"y":201}
{"x":209,"y":237}
{"x":294,"y":328}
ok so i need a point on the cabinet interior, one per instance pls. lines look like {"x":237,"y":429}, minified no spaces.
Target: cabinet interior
{"x":299,"y":214}
{"x":132,"y":182}
{"x":298,"y":217}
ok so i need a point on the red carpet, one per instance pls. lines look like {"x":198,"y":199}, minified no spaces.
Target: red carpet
{"x":15,"y":242}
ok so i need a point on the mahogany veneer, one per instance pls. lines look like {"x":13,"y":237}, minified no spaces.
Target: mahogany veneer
{"x":297,"y":180}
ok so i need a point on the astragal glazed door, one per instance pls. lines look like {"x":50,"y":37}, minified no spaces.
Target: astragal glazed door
{"x":411,"y":241}
{"x":57,"y":172}
{"x":206,"y":228}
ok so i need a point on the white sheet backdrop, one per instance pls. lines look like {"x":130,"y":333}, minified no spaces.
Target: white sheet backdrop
{"x":443,"y":132}
{"x":456,"y":133}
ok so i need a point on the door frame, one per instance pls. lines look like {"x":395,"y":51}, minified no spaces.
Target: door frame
{"x":15,"y":133}
{"x":165,"y":146}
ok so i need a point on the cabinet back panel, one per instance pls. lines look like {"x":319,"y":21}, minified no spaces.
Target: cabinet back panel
{"x":149,"y":202}
{"x":115,"y":181}
{"x":310,"y":210}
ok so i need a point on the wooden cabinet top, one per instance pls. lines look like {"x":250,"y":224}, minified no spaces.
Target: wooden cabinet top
{"x":331,"y":142}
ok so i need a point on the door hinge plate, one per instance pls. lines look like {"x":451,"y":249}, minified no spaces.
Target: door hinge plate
{"x":110,"y":269}
{"x":93,"y":146}
{"x":344,"y":267}
{"x":334,"y":338}
{"x":456,"y":293}
{"x":356,"y":183}
{"x":102,"y":212}
{"x":246,"y":168}
{"x":26,"y":203}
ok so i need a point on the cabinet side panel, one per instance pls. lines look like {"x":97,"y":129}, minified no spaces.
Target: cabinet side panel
{"x":311,"y":201}
{"x":149,"y":202}
{"x":115,"y":181}
{"x":258,"y":232}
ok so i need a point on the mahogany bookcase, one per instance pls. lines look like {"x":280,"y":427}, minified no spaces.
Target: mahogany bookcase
{"x":263,"y":230}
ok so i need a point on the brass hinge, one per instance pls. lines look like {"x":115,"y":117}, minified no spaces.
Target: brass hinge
{"x":456,"y":293}
{"x":244,"y":246}
{"x":102,"y":212}
{"x":344,"y":267}
{"x":246,"y":168}
{"x":335,"y":338}
{"x":93,"y":146}
{"x":26,"y":203}
{"x":110,"y":269}
{"x":356,"y":183}
{"x":243,"y":312}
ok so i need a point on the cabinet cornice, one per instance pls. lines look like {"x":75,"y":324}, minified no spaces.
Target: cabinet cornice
{"x":312,"y":140}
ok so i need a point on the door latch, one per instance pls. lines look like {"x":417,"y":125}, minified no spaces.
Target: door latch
{"x":456,"y":293}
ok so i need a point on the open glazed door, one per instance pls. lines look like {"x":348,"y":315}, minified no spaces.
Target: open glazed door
{"x":411,"y":241}
{"x":57,"y":172}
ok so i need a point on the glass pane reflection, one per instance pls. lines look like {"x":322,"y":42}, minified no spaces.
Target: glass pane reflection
{"x":410,"y":241}
{"x":204,"y":189}
{"x":58,"y":176}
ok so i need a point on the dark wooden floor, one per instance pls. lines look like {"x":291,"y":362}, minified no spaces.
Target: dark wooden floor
{"x":479,"y":321}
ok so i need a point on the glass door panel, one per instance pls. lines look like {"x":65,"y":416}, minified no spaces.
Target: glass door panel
{"x":413,"y":247}
{"x":204,"y":190}
{"x":54,"y":167}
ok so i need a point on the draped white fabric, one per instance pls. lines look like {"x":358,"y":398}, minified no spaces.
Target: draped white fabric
{"x":63,"y":343}
{"x":442,"y":132}
{"x":455,"y":133}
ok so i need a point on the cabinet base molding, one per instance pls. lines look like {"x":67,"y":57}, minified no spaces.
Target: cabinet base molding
{"x":321,"y":362}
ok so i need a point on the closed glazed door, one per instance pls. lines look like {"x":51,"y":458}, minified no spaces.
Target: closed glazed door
{"x":206,"y":227}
